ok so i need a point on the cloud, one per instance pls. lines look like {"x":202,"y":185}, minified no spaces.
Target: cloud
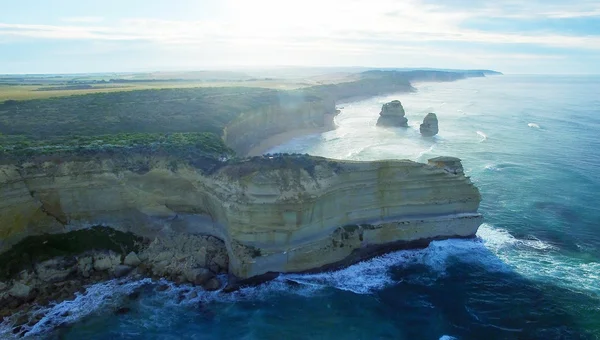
{"x":358,"y":28}
{"x":86,"y":19}
{"x":530,"y":9}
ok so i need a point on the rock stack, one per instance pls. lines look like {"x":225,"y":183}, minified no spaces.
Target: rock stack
{"x":392,"y":114}
{"x":429,"y":127}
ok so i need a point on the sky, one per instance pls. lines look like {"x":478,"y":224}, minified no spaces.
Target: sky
{"x":512,"y":36}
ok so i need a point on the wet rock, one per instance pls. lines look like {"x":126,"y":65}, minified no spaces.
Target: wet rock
{"x":20,"y":290}
{"x":193,"y":295}
{"x":57,"y":269}
{"x":35,"y":319}
{"x":144,"y":269}
{"x":212,"y":284}
{"x":21,"y":320}
{"x":162,"y":288}
{"x":198,"y":276}
{"x":17,"y":330}
{"x":66,"y":294}
{"x":429,"y":127}
{"x":122,"y":311}
{"x":132,"y":260}
{"x":4,"y":312}
{"x":230,"y":288}
{"x":121,"y":270}
{"x":134,"y":295}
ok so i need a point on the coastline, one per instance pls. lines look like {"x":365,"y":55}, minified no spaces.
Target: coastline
{"x":281,"y":138}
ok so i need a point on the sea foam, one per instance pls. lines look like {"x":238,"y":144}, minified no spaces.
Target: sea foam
{"x":482,"y":135}
{"x":97,"y":297}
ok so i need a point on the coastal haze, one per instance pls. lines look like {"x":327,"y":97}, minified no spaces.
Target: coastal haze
{"x":419,"y":169}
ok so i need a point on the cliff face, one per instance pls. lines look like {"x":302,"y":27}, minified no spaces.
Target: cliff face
{"x":252,"y":127}
{"x":306,"y":108}
{"x":282,"y":214}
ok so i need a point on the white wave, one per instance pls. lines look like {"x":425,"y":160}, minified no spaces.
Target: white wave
{"x":374,"y":274}
{"x":533,"y":125}
{"x":448,"y":337}
{"x":96,"y":297}
{"x":353,"y":154}
{"x":497,"y":239}
{"x":492,"y":167}
{"x":426,"y":151}
{"x":541,"y":261}
{"x":361,"y":278}
{"x":482,"y":135}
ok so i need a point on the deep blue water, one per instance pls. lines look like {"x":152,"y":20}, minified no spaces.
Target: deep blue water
{"x":530,"y":143}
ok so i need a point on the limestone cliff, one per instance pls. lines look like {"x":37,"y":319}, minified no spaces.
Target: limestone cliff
{"x":274,"y":214}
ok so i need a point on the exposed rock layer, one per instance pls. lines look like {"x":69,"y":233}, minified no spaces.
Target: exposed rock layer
{"x":281,"y":214}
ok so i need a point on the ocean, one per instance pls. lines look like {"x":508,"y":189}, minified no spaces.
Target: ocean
{"x":532,"y":146}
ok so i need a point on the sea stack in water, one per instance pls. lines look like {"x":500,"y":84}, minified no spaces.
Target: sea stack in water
{"x":392,"y":114}
{"x":429,"y":127}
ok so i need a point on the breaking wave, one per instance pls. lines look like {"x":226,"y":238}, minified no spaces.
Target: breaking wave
{"x":482,"y":135}
{"x":96,"y":298}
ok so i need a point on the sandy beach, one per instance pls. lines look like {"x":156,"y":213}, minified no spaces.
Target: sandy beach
{"x":278,"y":139}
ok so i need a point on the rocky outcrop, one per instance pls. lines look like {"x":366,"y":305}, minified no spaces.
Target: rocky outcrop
{"x":429,"y":127}
{"x":271,"y":214}
{"x":182,"y":258}
{"x":392,"y":114}
{"x":451,"y":164}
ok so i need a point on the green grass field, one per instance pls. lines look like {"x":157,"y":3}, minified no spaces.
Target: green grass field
{"x":25,"y":87}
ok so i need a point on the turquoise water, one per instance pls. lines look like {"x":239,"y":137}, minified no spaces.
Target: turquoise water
{"x":532,"y":146}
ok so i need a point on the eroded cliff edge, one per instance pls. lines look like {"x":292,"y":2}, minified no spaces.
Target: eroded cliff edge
{"x":274,"y":214}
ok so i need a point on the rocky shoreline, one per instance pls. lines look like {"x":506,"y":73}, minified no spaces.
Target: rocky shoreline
{"x":191,"y":259}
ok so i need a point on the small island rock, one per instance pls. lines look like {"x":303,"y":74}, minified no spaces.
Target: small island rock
{"x":429,"y":127}
{"x":392,"y":114}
